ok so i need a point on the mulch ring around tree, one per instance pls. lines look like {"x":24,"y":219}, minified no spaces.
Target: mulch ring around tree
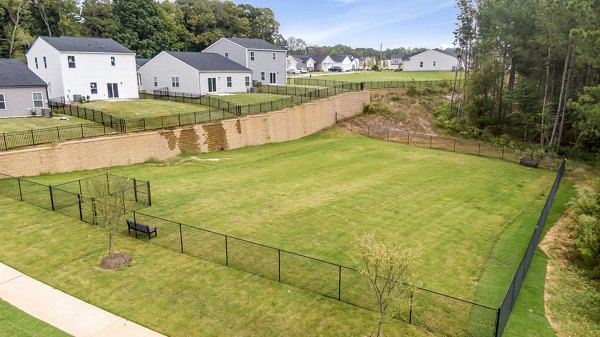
{"x":115,"y":261}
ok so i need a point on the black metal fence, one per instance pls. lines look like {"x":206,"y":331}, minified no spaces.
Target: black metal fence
{"x":473,"y":147}
{"x":311,"y":81}
{"x":107,"y":120}
{"x":512,"y":293}
{"x":17,"y":139}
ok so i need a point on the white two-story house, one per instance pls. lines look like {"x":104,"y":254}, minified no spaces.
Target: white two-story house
{"x":430,"y":60}
{"x":267,"y":61}
{"x":76,"y":67}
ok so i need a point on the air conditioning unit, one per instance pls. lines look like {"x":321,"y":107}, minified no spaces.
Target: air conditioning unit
{"x":45,"y":112}
{"x":77,"y":98}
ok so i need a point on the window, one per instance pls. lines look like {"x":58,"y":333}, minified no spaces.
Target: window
{"x":262,"y":75}
{"x":112,"y":61}
{"x":38,"y":100}
{"x":273,"y":56}
{"x":434,"y":63}
{"x":2,"y":102}
{"x":251,"y":56}
{"x":71,"y":60}
{"x":273,"y":78}
{"x":155,"y":81}
{"x":227,"y":55}
{"x":45,"y":63}
{"x":247,"y":81}
{"x":421,"y":64}
{"x":175,"y":82}
{"x":94,"y":88}
{"x":229,"y":82}
{"x":36,"y":63}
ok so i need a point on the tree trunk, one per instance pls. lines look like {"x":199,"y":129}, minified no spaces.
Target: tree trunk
{"x":454,"y":86}
{"x":562,"y":92}
{"x":542,"y":128}
{"x":379,"y":326}
{"x":513,"y":74}
{"x":564,"y":107}
{"x":109,"y":243}
{"x":16,"y":19}
{"x":42,"y":11}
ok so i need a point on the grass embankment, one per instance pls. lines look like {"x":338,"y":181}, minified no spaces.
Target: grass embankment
{"x":245,"y":99}
{"x":144,"y":108}
{"x":315,"y":195}
{"x":14,"y":322}
{"x":33,"y":123}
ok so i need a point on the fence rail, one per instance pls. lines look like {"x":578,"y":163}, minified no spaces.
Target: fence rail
{"x":310,"y":81}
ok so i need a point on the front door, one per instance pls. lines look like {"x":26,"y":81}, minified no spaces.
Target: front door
{"x":113,"y":90}
{"x":273,"y":78}
{"x":212,"y":84}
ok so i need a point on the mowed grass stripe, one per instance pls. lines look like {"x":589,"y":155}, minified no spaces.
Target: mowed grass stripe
{"x":316,"y":194}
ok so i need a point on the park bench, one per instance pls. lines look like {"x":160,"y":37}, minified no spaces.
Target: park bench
{"x":140,"y":227}
{"x":526,"y":161}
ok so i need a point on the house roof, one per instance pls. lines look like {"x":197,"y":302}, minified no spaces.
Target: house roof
{"x":14,"y":73}
{"x":140,"y":62}
{"x":302,"y":58}
{"x":447,"y":52}
{"x":207,"y":61}
{"x":254,"y":43}
{"x":319,"y":58}
{"x":86,"y":44}
{"x":339,"y":58}
{"x":398,"y":56}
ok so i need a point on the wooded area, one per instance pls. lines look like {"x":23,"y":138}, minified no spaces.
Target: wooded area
{"x":145,"y":26}
{"x":533,"y":72}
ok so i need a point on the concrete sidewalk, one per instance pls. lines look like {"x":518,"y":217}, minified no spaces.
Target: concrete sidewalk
{"x":64,"y":311}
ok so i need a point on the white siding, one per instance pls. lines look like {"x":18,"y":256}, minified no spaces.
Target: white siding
{"x":235,"y":52}
{"x":164,"y":67}
{"x":291,"y":63}
{"x":19,"y":101}
{"x":237,"y":81}
{"x":430,"y":60}
{"x":325,"y":65}
{"x":53,"y":73}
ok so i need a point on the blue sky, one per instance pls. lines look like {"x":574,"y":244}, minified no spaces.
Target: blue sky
{"x":366,"y":23}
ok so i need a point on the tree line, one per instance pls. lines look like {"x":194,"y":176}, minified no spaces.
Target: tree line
{"x":145,"y":26}
{"x":297,"y":46}
{"x":532,"y":70}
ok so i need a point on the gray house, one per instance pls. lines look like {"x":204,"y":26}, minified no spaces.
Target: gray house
{"x":22,"y":92}
{"x":267,"y":61}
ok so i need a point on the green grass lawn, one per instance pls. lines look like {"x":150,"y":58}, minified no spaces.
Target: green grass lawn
{"x":245,"y":99}
{"x":142,"y":108}
{"x":29,"y":123}
{"x":175,"y":294}
{"x":315,"y":195}
{"x":14,"y":322}
{"x":373,"y":76}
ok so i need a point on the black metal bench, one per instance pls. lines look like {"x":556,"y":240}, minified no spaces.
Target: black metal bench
{"x":526,"y":161}
{"x":140,"y":227}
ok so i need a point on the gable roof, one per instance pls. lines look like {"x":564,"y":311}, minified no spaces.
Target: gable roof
{"x":14,"y":73}
{"x":254,"y":43}
{"x":447,"y":52}
{"x":303,"y":58}
{"x":207,"y":61}
{"x":140,"y":62}
{"x":320,"y":58}
{"x":340,"y":58}
{"x":86,"y":44}
{"x":398,"y":56}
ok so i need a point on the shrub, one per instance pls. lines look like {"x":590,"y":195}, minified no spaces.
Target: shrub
{"x":587,"y":240}
{"x":411,"y":90}
{"x":394,"y":97}
{"x":377,"y":108}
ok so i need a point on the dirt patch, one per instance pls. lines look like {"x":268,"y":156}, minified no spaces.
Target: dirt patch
{"x":115,"y":261}
{"x":189,"y":139}
{"x":238,"y":126}
{"x":216,"y":137}
{"x":171,"y":138}
{"x":558,"y":246}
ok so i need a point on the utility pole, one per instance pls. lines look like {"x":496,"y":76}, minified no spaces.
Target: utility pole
{"x":381,"y":55}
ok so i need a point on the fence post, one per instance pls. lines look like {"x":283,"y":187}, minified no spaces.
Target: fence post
{"x":144,"y":123}
{"x":339,"y":283}
{"x":32,"y":137}
{"x":58,"y":133}
{"x":149,"y":195}
{"x":80,"y":210}
{"x":107,"y":184}
{"x":5,"y":143}
{"x":226,"y":252}
{"x":408,"y":137}
{"x":181,"y":238}
{"x":279,"y":265}
{"x":479,"y":149}
{"x":135,"y":189}
{"x":94,"y":212}
{"x":502,"y":152}
{"x":430,"y":141}
{"x":498,"y":322}
{"x":368,"y":131}
{"x":81,"y":126}
{"x":20,"y":189}
{"x":411,"y":307}
{"x":454,"y":145}
{"x":51,"y":198}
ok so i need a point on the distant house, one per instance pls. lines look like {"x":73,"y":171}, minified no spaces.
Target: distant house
{"x":139,"y":62}
{"x":267,"y":61}
{"x":396,"y":61}
{"x":198,"y":73}
{"x":323,"y":63}
{"x":22,"y":92}
{"x":300,"y":62}
{"x":355,"y":61}
{"x":77,"y":67}
{"x":367,"y":62}
{"x":430,"y":60}
{"x":342,"y":61}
